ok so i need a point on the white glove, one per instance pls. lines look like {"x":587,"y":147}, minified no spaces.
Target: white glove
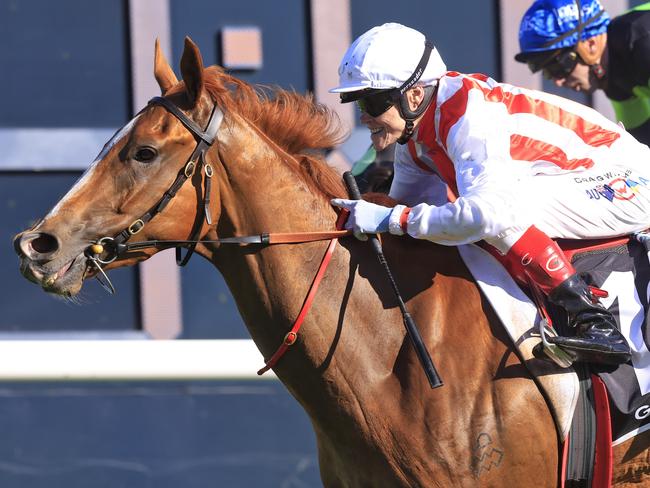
{"x":365,"y":217}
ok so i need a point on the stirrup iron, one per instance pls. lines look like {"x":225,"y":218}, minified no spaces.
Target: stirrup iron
{"x":555,"y":353}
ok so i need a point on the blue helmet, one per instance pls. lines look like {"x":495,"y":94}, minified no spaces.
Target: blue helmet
{"x":555,"y":24}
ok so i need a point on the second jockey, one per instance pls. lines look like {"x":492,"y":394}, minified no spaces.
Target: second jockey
{"x":482,"y":160}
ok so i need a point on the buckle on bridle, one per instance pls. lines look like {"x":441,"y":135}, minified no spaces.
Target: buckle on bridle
{"x":189,"y":168}
{"x":135,"y":227}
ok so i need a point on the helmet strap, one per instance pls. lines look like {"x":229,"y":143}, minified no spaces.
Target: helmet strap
{"x":408,"y":132}
{"x":419,"y":69}
{"x":402,"y":103}
{"x":411,"y":115}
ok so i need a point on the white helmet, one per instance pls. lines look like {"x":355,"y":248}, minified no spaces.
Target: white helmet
{"x":386,"y":57}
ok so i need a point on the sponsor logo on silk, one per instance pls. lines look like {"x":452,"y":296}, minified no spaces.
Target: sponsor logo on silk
{"x":621,"y":188}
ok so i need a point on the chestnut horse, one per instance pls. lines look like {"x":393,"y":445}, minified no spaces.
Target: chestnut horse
{"x":353,"y":369}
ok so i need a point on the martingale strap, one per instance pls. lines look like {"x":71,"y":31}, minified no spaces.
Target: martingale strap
{"x":292,"y":335}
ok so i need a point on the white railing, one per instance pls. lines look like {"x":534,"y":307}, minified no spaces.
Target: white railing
{"x":129,"y":360}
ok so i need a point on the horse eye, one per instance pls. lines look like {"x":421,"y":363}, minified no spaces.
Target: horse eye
{"x":145,"y":154}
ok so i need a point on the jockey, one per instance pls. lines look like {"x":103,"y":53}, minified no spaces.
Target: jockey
{"x":576,"y":44}
{"x":481,"y":160}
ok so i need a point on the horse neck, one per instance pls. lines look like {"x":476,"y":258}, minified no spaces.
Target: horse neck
{"x":353,"y":339}
{"x":260,"y":193}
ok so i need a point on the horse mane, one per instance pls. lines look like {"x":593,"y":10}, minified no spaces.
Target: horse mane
{"x":297,"y":123}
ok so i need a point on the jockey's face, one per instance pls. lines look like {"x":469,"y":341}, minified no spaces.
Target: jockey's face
{"x":581,"y":79}
{"x":387,"y":128}
{"x":384,"y":129}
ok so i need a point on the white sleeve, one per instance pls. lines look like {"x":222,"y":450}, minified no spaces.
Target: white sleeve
{"x":491,"y":185}
{"x":412,"y":185}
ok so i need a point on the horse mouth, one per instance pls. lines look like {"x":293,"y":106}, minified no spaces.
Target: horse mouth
{"x":65,"y":279}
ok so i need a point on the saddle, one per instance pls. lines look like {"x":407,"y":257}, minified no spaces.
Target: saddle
{"x":592,"y":405}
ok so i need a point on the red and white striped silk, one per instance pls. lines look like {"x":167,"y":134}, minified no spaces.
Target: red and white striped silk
{"x":512,"y":157}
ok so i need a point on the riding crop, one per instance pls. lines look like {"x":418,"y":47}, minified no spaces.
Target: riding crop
{"x":412,"y":331}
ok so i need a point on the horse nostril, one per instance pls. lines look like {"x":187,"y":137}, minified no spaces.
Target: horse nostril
{"x":45,"y":244}
{"x":36,"y":245}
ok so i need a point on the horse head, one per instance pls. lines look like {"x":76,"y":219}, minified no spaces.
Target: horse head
{"x":136,"y":188}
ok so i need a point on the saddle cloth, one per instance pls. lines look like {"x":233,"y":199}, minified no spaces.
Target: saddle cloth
{"x":624,"y":272}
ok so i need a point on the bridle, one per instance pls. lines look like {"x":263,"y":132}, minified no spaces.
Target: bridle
{"x":107,"y":249}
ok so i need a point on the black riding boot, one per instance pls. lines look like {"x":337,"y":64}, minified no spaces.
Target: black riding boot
{"x":597,"y":338}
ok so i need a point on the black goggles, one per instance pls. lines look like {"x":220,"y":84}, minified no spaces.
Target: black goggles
{"x":375,"y":103}
{"x":561,"y":65}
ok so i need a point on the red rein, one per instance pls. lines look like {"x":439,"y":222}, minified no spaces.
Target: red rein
{"x":292,"y":335}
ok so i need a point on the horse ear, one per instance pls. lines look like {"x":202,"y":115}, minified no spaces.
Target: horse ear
{"x":162,"y":71}
{"x":192,"y":70}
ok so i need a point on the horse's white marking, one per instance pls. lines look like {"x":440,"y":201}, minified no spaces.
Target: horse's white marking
{"x":119,"y":135}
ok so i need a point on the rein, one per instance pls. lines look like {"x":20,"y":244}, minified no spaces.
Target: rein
{"x":263,"y":239}
{"x":108,"y":249}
